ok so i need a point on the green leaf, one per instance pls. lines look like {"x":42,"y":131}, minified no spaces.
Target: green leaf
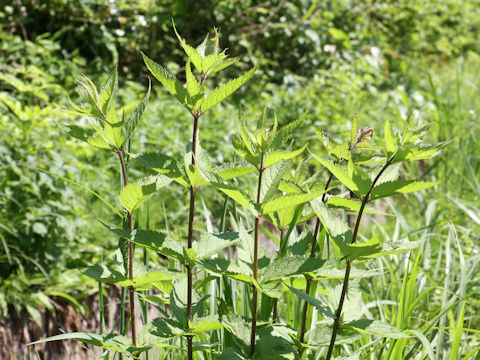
{"x":337,"y":229}
{"x":286,"y":132}
{"x":231,"y":354}
{"x":204,"y":324}
{"x":350,"y":204}
{"x":152,"y":240}
{"x":174,"y":86}
{"x":339,"y":172}
{"x":221,"y":92}
{"x":191,"y":52}
{"x":375,"y":327}
{"x":390,"y":139}
{"x":163,"y":164}
{"x":108,"y":342}
{"x":237,"y":326}
{"x":360,"y":251}
{"x":279,"y":155}
{"x":134,"y":118}
{"x":322,"y":308}
{"x":237,"y":195}
{"x":87,"y":135}
{"x":271,"y":179}
{"x":210,"y":244}
{"x":108,"y":92}
{"x":232,"y":170}
{"x":167,"y":328}
{"x":134,"y":195}
{"x":290,"y":266}
{"x":222,"y":65}
{"x":419,"y":152}
{"x":353,"y":132}
{"x":397,"y":187}
{"x":193,"y":86}
{"x":287,"y":201}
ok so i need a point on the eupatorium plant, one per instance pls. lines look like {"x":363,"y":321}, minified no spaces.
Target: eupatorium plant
{"x":218,"y":306}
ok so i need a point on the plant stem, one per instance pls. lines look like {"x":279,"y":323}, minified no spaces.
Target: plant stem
{"x":275,"y":301}
{"x":130,"y":253}
{"x":309,"y":279}
{"x":191,"y":216}
{"x":255,"y":262}
{"x":336,"y":323}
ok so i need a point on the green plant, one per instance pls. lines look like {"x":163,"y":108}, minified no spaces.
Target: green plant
{"x":262,"y":183}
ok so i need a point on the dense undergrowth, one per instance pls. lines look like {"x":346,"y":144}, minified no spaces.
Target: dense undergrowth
{"x":48,"y":227}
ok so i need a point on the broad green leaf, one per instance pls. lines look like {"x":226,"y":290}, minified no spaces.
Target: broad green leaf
{"x":112,"y":128}
{"x":397,"y":187}
{"x":271,"y":179}
{"x":353,"y":306}
{"x":134,"y":195}
{"x":375,"y":327}
{"x":290,"y":266}
{"x":191,"y":52}
{"x":204,"y":324}
{"x":390,"y":139}
{"x":322,"y":308}
{"x":360,"y":251}
{"x":351,"y":204}
{"x":232,"y":170}
{"x":174,"y":86}
{"x":279,"y":155}
{"x":107,"y":342}
{"x":339,"y":172}
{"x":236,"y":194}
{"x":108,"y":92}
{"x":286,"y":132}
{"x":210,"y":61}
{"x":87,"y":135}
{"x":193,"y":86}
{"x":152,"y":240}
{"x":321,"y":335}
{"x":223,"y":91}
{"x":391,"y":248}
{"x":419,"y":152}
{"x":246,"y":152}
{"x":167,"y":328}
{"x":287,"y":201}
{"x":235,"y":270}
{"x":237,"y":326}
{"x":163,"y":164}
{"x":231,"y":354}
{"x":222,"y":65}
{"x":134,"y":118}
{"x":275,"y":343}
{"x":210,"y":244}
{"x":337,"y":228}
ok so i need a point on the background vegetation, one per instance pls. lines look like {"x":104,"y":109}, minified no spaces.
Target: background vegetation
{"x":378,"y":59}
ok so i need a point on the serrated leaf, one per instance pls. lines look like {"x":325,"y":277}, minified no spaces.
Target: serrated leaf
{"x":222,"y":65}
{"x":108,"y":92}
{"x":351,"y":204}
{"x":280,"y":155}
{"x":231,"y":354}
{"x":339,"y":172}
{"x":87,"y":135}
{"x":152,"y":240}
{"x":337,"y":229}
{"x":133,"y":195}
{"x":193,"y":86}
{"x":275,"y":343}
{"x":237,"y":326}
{"x":375,"y":327}
{"x":391,"y":248}
{"x":290,"y":266}
{"x":390,"y":140}
{"x":236,"y":194}
{"x":167,"y":328}
{"x":398,"y":187}
{"x":204,"y":324}
{"x":287,"y":201}
{"x":221,"y":92}
{"x":360,"y":251}
{"x":271,"y":179}
{"x":191,"y":52}
{"x":322,"y":308}
{"x":232,"y":170}
{"x":174,"y":86}
{"x":419,"y":152}
{"x":134,"y":118}
{"x":286,"y":132}
{"x":163,"y":164}
{"x":210,"y":244}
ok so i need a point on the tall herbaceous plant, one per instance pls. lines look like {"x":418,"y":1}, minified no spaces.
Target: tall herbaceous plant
{"x":302,"y":301}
